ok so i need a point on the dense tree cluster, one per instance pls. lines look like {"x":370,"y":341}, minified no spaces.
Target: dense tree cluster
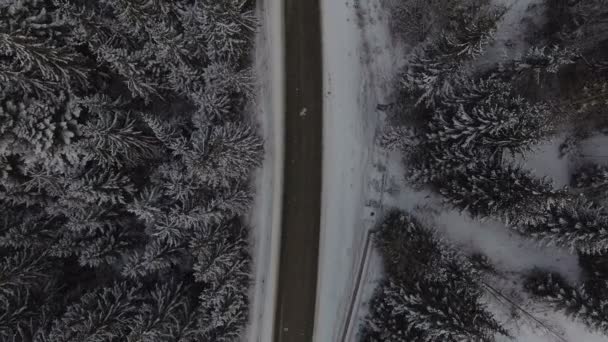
{"x":413,"y":304}
{"x":125,"y":157}
{"x":462,"y":126}
{"x":587,"y":302}
{"x":462,"y":122}
{"x":592,"y":180}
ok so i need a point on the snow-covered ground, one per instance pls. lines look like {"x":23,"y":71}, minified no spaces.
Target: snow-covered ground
{"x":509,"y":40}
{"x":360,"y":59}
{"x":266,"y":214}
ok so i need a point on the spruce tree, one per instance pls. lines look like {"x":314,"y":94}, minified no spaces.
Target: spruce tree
{"x":595,"y":267}
{"x":508,"y":192}
{"x":105,"y":314}
{"x":546,"y":59}
{"x":574,"y":223}
{"x":591,"y":179}
{"x":581,"y":24}
{"x":493,"y":125}
{"x":581,"y":302}
{"x":430,"y":162}
{"x":432,"y":68}
{"x":413,"y":304}
{"x":161,"y":314}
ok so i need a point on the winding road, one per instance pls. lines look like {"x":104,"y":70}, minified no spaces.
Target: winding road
{"x":296,"y":296}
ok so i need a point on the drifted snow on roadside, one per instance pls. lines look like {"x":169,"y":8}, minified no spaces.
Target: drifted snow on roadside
{"x":357,"y":61}
{"x":268,"y":181}
{"x":361,"y":180}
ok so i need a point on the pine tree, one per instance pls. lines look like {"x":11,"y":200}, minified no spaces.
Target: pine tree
{"x":387,"y":321}
{"x":30,"y":124}
{"x":223,"y":154}
{"x":115,"y":140}
{"x":27,"y":291}
{"x":595,"y":267}
{"x":579,"y":302}
{"x":541,"y":61}
{"x":36,"y":57}
{"x":125,"y":153}
{"x":508,"y":192}
{"x":544,"y":59}
{"x":104,"y":245}
{"x":469,"y":91}
{"x":591,"y":179}
{"x":433,"y":67}
{"x":226,"y":27}
{"x":160,"y":314}
{"x":493,"y":125}
{"x":222,"y":267}
{"x":581,"y":24}
{"x":157,"y":256}
{"x":105,"y":314}
{"x":591,"y":100}
{"x":432,"y":162}
{"x":576,"y":224}
{"x":413,"y":304}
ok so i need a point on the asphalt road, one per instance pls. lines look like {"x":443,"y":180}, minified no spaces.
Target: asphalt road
{"x":296,"y":296}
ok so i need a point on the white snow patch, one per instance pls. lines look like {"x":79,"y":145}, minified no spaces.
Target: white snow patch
{"x":533,"y":321}
{"x":509,"y":39}
{"x":568,"y":330}
{"x":595,"y":149}
{"x":506,"y":249}
{"x":265,"y":218}
{"x":357,"y":60}
{"x":545,"y":161}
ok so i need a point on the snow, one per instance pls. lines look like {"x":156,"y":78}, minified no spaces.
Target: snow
{"x":356,"y":62}
{"x":361,"y":180}
{"x":595,"y":149}
{"x":507,"y":250}
{"x":266,"y":214}
{"x":545,"y":161}
{"x":509,"y":39}
{"x":570,"y":332}
{"x":360,"y":60}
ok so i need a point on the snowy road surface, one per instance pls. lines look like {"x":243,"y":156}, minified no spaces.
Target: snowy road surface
{"x":295,"y":307}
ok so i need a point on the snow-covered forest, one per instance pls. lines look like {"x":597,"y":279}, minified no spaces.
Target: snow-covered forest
{"x":472,"y":107}
{"x":126,"y":149}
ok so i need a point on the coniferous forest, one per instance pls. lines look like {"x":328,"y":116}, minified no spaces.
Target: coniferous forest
{"x":463,"y":122}
{"x":126,"y":150}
